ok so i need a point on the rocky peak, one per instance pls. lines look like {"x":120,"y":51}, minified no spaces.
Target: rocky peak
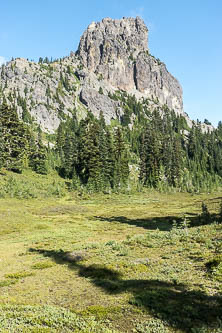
{"x":104,"y":42}
{"x":112,"y":55}
{"x":117,"y":52}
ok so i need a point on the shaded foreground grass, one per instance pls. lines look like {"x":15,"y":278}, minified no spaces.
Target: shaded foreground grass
{"x":169,"y":301}
{"x":115,"y":262}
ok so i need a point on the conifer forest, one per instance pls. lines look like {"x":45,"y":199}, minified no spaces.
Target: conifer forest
{"x":159,"y":147}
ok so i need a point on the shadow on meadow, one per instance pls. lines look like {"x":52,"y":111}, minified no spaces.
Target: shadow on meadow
{"x":163,"y":223}
{"x":178,"y":306}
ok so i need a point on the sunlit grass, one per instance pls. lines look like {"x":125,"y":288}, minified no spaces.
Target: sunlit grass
{"x":116,"y":261}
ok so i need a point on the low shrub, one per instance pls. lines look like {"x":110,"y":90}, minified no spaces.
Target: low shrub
{"x":18,"y":275}
{"x":42,"y":265}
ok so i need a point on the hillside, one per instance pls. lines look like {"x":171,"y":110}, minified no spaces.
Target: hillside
{"x":107,"y":118}
{"x":112,"y":55}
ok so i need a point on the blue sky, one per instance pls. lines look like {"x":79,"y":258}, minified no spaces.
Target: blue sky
{"x":185,"y":34}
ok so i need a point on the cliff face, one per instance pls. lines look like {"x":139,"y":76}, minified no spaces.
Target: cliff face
{"x":112,"y":55}
{"x":38,"y":90}
{"x":105,"y":41}
{"x":117,"y":51}
{"x":109,"y":47}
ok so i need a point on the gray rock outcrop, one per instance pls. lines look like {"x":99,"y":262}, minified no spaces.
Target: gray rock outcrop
{"x":97,"y":103}
{"x":117,"y":52}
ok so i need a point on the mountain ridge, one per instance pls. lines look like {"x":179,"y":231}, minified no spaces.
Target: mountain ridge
{"x":112,"y":55}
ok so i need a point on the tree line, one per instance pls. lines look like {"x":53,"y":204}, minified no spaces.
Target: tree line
{"x":91,"y":154}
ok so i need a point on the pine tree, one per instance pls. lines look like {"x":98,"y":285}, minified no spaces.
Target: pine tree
{"x":14,"y":135}
{"x":38,"y":155}
{"x":69,"y":159}
{"x":151,"y":153}
{"x":60,"y":140}
{"x":89,"y":166}
{"x":121,"y":170}
{"x":2,"y":161}
{"x":93,"y":155}
{"x":109,"y":159}
{"x":177,"y":163}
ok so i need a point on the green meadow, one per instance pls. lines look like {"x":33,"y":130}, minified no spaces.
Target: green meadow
{"x":137,"y":262}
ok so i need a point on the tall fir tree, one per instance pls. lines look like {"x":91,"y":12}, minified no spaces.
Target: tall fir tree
{"x":38,"y":155}
{"x":15,"y":138}
{"x":121,"y":170}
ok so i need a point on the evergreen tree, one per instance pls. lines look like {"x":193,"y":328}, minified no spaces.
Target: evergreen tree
{"x":151,"y":152}
{"x":121,"y":170}
{"x":2,"y":149}
{"x":60,"y":140}
{"x":177,"y":163}
{"x":92,"y":154}
{"x":15,"y":138}
{"x":69,"y":156}
{"x":109,"y":162}
{"x":38,"y":155}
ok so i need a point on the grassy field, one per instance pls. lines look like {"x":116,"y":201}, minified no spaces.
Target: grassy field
{"x":146,"y":262}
